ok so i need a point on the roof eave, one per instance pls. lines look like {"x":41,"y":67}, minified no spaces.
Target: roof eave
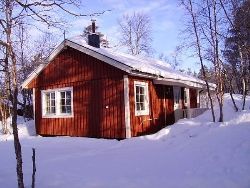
{"x":32,"y":76}
{"x":184,"y":83}
{"x":142,"y":74}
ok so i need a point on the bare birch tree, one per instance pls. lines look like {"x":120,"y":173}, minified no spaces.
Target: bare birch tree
{"x":4,"y":91}
{"x":212,"y":32}
{"x":194,"y":29}
{"x":174,"y":59}
{"x":136,"y":34}
{"x":15,"y":13}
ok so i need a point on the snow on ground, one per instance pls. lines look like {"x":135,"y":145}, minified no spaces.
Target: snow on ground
{"x":25,"y":129}
{"x":192,"y":153}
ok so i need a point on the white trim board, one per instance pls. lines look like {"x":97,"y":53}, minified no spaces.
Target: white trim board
{"x":127,"y":106}
{"x":34,"y":105}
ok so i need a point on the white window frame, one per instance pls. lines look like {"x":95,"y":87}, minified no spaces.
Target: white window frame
{"x":146,"y":111}
{"x":58,"y":113}
{"x":186,"y":92}
{"x":177,"y":97}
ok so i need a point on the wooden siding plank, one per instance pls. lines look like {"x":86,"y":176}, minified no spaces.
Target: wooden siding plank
{"x":91,"y":118}
{"x":141,"y":125}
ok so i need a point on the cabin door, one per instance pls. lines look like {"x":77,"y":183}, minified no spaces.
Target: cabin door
{"x":177,"y":103}
{"x":168,"y":107}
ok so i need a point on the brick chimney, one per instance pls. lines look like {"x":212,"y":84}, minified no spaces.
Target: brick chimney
{"x":94,"y":38}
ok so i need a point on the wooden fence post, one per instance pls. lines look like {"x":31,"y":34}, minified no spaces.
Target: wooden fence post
{"x":34,"y":167}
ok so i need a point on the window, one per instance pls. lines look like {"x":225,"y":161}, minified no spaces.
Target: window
{"x":50,"y":103}
{"x":186,"y":96}
{"x":57,"y":102}
{"x":177,"y":97}
{"x":141,"y":98}
{"x":65,"y":104}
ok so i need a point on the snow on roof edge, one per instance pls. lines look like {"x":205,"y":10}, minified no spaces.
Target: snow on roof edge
{"x":32,"y":75}
{"x":127,"y":63}
{"x":138,"y":63}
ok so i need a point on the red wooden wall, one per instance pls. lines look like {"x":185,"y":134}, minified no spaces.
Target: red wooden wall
{"x":193,"y":98}
{"x":98,"y":99}
{"x":161,"y":111}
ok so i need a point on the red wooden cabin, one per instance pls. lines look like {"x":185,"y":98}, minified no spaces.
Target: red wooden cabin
{"x":93,"y":92}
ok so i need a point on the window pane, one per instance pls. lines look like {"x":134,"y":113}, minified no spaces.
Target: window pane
{"x":137,"y":98}
{"x":141,"y":90}
{"x":142,"y":106}
{"x":68,"y":109}
{"x":47,"y":103}
{"x":177,"y":97}
{"x":138,"y":106}
{"x":47,"y":110}
{"x":142,"y":97}
{"x":185,"y":96}
{"x":137,"y":89}
{"x":63,"y":109}
{"x":53,"y":110}
{"x":47,"y":96}
{"x":62,"y":95}
{"x":52,"y":95}
{"x":53,"y":102}
{"x":62,"y":101}
{"x":68,"y":102}
{"x":68,"y":94}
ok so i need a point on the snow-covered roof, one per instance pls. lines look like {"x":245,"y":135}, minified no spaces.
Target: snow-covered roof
{"x":160,"y":71}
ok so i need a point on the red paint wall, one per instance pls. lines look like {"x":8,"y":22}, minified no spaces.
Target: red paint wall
{"x":98,"y":99}
{"x":193,"y":98}
{"x":161,"y":111}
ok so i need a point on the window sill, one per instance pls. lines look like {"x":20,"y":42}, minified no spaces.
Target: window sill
{"x":58,"y":116}
{"x":141,"y":113}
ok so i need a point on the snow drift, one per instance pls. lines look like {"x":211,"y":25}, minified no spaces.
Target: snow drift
{"x":191,"y":153}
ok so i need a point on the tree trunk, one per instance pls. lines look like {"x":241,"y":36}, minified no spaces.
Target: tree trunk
{"x":220,"y":101}
{"x":217,"y":62}
{"x":221,"y":113}
{"x":17,"y":145}
{"x":9,"y":6}
{"x":244,"y":93}
{"x":231,"y":95}
{"x":4,"y":116}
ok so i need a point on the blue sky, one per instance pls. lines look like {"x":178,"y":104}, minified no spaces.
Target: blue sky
{"x":166,"y":17}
